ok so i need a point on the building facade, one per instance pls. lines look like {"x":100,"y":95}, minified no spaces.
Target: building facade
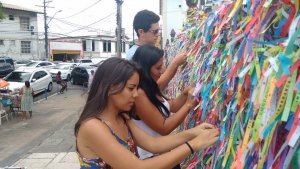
{"x":173,"y":14}
{"x":95,"y":47}
{"x":18,"y":33}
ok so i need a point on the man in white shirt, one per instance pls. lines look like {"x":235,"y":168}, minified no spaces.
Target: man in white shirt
{"x":147,"y":28}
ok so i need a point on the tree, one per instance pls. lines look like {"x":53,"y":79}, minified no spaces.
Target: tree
{"x":1,"y":11}
{"x":191,"y":3}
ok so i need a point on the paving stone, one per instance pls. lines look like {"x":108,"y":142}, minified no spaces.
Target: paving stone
{"x":42,"y":156}
{"x":32,"y":163}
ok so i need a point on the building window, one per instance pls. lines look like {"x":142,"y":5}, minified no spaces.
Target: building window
{"x":84,"y":45}
{"x":107,"y":46}
{"x":123,"y":47}
{"x":25,"y":47}
{"x":1,"y":42}
{"x":24,"y":23}
{"x":11,"y":17}
{"x":13,"y":42}
{"x":93,"y":45}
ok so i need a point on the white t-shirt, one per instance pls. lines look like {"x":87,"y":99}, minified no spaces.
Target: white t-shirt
{"x":131,"y":51}
{"x":143,"y":153}
{"x":91,"y":77}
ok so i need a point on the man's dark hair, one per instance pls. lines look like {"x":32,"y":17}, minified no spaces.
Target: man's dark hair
{"x":143,"y":20}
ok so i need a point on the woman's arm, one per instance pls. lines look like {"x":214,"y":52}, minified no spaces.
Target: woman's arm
{"x":154,"y":119}
{"x":178,"y":102}
{"x":95,"y":136}
{"x":162,"y":144}
{"x":21,"y":91}
{"x":165,"y":78}
{"x":32,"y":92}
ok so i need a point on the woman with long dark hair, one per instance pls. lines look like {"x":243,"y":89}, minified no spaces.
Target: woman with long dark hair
{"x":106,"y":137}
{"x":152,"y":108}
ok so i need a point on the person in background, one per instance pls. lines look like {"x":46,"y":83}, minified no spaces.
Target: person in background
{"x":147,"y":28}
{"x":91,"y":78}
{"x":106,"y":136}
{"x":152,"y":108}
{"x":61,"y":82}
{"x":26,"y":100}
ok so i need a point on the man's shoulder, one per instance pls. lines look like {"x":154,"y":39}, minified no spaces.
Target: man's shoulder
{"x":131,"y":51}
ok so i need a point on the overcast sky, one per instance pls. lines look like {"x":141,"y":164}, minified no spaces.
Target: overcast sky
{"x":100,"y":12}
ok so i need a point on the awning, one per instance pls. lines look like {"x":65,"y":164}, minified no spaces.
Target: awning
{"x":71,"y":52}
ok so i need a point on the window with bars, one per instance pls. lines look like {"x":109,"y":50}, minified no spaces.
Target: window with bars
{"x":11,"y":17}
{"x":24,"y":23}
{"x":25,"y":47}
{"x":1,"y":42}
{"x":13,"y":42}
{"x":84,"y":45}
{"x":107,"y":46}
{"x":123,"y":50}
{"x":123,"y":47}
{"x":93,"y":45}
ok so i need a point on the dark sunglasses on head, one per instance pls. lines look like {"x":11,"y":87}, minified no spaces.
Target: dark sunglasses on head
{"x":156,"y":31}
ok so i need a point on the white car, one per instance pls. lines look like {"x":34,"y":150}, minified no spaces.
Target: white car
{"x":40,"y":80}
{"x":83,"y":62}
{"x":20,"y":63}
{"x":64,"y":68}
{"x":38,"y":64}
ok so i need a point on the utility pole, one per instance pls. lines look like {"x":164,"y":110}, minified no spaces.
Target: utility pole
{"x":119,"y":27}
{"x":46,"y":30}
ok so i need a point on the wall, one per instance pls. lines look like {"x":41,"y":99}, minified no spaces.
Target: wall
{"x":12,"y":35}
{"x":174,"y":14}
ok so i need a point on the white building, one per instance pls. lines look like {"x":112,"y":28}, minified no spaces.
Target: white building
{"x":18,"y":33}
{"x":173,"y":14}
{"x":95,"y":47}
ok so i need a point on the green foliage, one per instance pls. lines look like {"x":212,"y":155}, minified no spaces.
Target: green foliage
{"x":1,"y":11}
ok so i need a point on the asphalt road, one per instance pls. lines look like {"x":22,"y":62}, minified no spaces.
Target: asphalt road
{"x":55,"y":90}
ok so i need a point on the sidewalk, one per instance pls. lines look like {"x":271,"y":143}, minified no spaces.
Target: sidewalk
{"x":46,"y":141}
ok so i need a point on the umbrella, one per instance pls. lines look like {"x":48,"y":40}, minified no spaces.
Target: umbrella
{"x":3,"y":83}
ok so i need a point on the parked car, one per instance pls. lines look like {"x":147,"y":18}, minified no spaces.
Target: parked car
{"x":5,"y":59}
{"x":83,"y":62}
{"x":20,"y":63}
{"x":5,"y":68}
{"x":80,"y":74}
{"x":65,"y":69}
{"x":39,"y":80}
{"x":38,"y":64}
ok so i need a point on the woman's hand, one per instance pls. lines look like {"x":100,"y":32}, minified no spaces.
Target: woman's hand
{"x":200,"y":128}
{"x":189,"y":90}
{"x":180,"y":58}
{"x":191,"y":99}
{"x":207,"y":136}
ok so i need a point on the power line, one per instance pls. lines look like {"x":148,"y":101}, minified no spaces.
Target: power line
{"x":81,"y":10}
{"x":73,"y":24}
{"x":92,"y":23}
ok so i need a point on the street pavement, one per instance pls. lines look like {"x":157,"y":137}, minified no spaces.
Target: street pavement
{"x":46,"y":141}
